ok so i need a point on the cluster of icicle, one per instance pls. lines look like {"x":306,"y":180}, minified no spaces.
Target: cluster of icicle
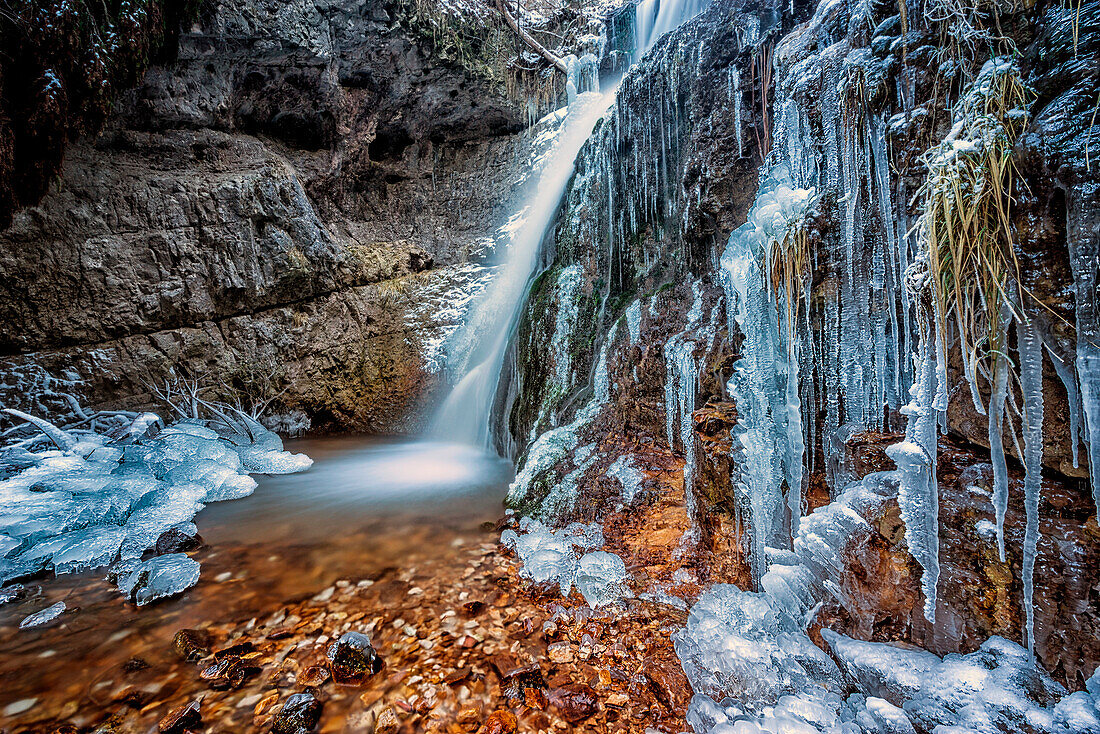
{"x":765,"y":384}
{"x":875,"y":335}
{"x":74,"y":500}
{"x":754,"y":668}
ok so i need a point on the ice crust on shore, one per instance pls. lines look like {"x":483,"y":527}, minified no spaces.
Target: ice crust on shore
{"x":569,"y":557}
{"x":94,"y":500}
{"x":754,"y":668}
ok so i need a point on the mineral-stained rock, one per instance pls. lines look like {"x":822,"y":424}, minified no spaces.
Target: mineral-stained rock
{"x":387,"y":722}
{"x":353,"y":658}
{"x":299,"y":715}
{"x":500,"y":722}
{"x":228,"y":672}
{"x":669,"y":685}
{"x":192,"y":645}
{"x":313,"y":676}
{"x":181,"y":719}
{"x":575,"y":702}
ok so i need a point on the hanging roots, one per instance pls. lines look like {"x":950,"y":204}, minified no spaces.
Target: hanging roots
{"x":788,"y":263}
{"x":967,"y":201}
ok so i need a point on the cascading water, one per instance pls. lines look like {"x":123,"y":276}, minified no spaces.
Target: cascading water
{"x":657,"y":17}
{"x":480,"y":346}
{"x":464,"y":416}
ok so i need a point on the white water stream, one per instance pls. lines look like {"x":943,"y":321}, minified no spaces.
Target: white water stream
{"x":482,"y":343}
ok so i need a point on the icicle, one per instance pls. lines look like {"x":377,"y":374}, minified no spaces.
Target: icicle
{"x":1065,"y":374}
{"x":1031,"y":383}
{"x":997,"y":449}
{"x":918,"y":492}
{"x":1083,"y":236}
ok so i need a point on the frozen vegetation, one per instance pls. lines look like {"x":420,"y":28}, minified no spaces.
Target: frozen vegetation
{"x":75,"y":500}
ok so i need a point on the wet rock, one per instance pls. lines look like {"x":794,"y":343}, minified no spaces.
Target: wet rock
{"x":469,"y":717}
{"x":560,"y":652}
{"x":299,"y":715}
{"x":229,"y":672}
{"x":181,"y":719}
{"x":516,"y":679}
{"x":500,"y":722}
{"x":575,"y":702}
{"x":353,"y":658}
{"x":387,"y":722}
{"x":314,"y":675}
{"x":192,"y":645}
{"x":175,"y":540}
{"x":669,"y":685}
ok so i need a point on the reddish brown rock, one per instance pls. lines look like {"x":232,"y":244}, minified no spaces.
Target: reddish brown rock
{"x":192,"y":645}
{"x":575,"y":702}
{"x":314,"y":675}
{"x":181,"y":719}
{"x":669,"y":685}
{"x":500,"y":722}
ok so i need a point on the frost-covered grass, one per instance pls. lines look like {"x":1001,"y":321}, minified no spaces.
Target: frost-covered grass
{"x":967,"y":219}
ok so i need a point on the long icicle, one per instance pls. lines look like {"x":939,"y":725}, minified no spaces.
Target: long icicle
{"x":1031,"y":382}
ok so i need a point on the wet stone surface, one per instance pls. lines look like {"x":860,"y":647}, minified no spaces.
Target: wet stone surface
{"x":452,"y":643}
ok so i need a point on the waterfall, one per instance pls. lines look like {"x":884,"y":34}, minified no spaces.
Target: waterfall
{"x":483,"y":341}
{"x":654,"y":18}
{"x":480,"y":346}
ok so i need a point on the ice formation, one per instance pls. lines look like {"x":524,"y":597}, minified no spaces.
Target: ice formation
{"x":44,"y":616}
{"x":568,"y":556}
{"x":625,"y":469}
{"x":681,"y":375}
{"x":765,"y":384}
{"x":754,"y":668}
{"x":103,"y":499}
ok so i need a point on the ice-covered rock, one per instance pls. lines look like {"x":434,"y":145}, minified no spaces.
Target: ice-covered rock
{"x":106,"y":498}
{"x":159,"y":577}
{"x":601,"y":578}
{"x":44,"y":616}
{"x":559,"y":556}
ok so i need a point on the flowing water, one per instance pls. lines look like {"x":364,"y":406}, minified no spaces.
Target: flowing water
{"x":464,"y":416}
{"x":365,"y":506}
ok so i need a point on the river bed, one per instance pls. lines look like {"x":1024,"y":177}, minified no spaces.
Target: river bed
{"x":366,"y":505}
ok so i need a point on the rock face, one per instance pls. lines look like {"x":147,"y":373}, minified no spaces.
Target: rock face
{"x":627,"y":341}
{"x":292,"y":205}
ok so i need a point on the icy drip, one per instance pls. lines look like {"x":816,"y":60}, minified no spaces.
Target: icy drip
{"x":918,"y":495}
{"x":997,"y":448}
{"x":565,"y":321}
{"x":464,"y":416}
{"x":859,"y":368}
{"x":764,"y":384}
{"x":1031,"y":383}
{"x":554,"y":447}
{"x":582,"y":75}
{"x":682,"y":371}
{"x":1083,"y":235}
{"x":634,"y":320}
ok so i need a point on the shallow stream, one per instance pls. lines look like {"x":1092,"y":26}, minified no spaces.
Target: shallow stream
{"x":365,"y":506}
